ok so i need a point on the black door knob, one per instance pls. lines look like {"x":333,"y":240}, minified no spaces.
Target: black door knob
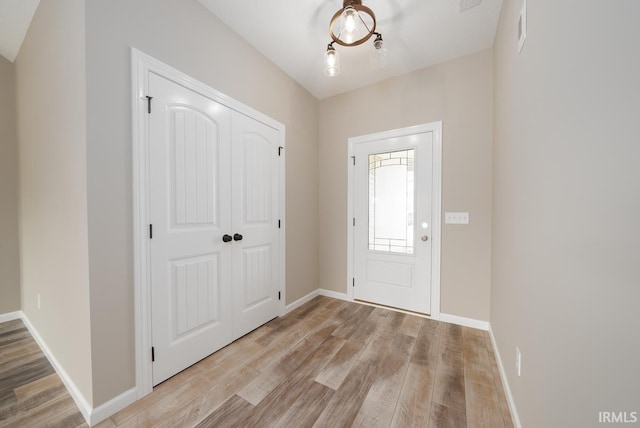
{"x":237,"y":237}
{"x":226,"y":238}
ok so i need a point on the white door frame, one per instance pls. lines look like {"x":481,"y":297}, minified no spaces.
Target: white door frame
{"x":436,"y":204}
{"x":141,"y":65}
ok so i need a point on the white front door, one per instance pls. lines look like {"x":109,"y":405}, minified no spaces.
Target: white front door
{"x":214,"y":216}
{"x":393,"y":185}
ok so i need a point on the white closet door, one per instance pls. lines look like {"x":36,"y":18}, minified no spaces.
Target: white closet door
{"x":255,"y":193}
{"x":190,"y":211}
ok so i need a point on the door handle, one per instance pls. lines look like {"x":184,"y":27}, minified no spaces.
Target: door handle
{"x":226,"y":238}
{"x":237,"y":237}
{"x":424,"y":237}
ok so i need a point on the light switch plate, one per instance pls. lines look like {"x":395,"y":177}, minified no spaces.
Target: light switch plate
{"x":456,"y":218}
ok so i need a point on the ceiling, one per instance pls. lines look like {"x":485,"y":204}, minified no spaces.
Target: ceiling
{"x":417,"y":34}
{"x":15,"y":18}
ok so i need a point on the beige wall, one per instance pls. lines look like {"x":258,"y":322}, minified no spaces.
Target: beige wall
{"x":566,"y":242}
{"x":186,"y":36}
{"x":9,"y":250}
{"x":50,"y":85}
{"x":458,"y":93}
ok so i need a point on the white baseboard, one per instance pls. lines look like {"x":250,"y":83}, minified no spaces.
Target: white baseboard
{"x":301,"y":301}
{"x":319,"y":292}
{"x":10,"y":316}
{"x":505,"y":383}
{"x":334,"y":294}
{"x":466,"y":322}
{"x":83,"y":405}
{"x":112,"y":406}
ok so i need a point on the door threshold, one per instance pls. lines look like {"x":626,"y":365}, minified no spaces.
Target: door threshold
{"x":393,"y":308}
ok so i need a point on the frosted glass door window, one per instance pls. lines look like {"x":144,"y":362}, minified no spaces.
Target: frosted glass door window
{"x":391,"y":201}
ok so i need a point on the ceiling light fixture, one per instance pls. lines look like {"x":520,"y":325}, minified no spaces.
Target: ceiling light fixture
{"x":353,"y":25}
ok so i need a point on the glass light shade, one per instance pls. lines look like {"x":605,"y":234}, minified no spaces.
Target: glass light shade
{"x":349,"y":19}
{"x":331,"y":62}
{"x":378,"y":53}
{"x":352,"y":25}
{"x":347,"y":37}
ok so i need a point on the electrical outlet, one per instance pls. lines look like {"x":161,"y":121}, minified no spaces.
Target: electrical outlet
{"x":38,"y":300}
{"x":518,"y":361}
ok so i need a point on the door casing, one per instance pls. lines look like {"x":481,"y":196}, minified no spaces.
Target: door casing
{"x":436,"y":203}
{"x":141,"y":66}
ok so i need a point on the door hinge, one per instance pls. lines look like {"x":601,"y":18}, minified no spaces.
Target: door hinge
{"x":149,"y":103}
{"x":279,"y":224}
{"x":150,"y":231}
{"x":153,"y":354}
{"x":354,"y":221}
{"x":354,"y":160}
{"x":280,"y":150}
{"x":279,"y":295}
{"x":353,"y":282}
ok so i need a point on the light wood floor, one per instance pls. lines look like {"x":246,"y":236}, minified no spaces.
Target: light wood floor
{"x":330,"y":363}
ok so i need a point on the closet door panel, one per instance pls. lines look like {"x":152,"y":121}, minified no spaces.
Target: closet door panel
{"x":255,"y":190}
{"x":191,"y":266}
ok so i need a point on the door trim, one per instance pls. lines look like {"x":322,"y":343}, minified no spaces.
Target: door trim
{"x":436,"y":204}
{"x":141,"y":66}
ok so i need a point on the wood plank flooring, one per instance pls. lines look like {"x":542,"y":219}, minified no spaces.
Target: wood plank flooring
{"x":329,"y":363}
{"x":31,"y":393}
